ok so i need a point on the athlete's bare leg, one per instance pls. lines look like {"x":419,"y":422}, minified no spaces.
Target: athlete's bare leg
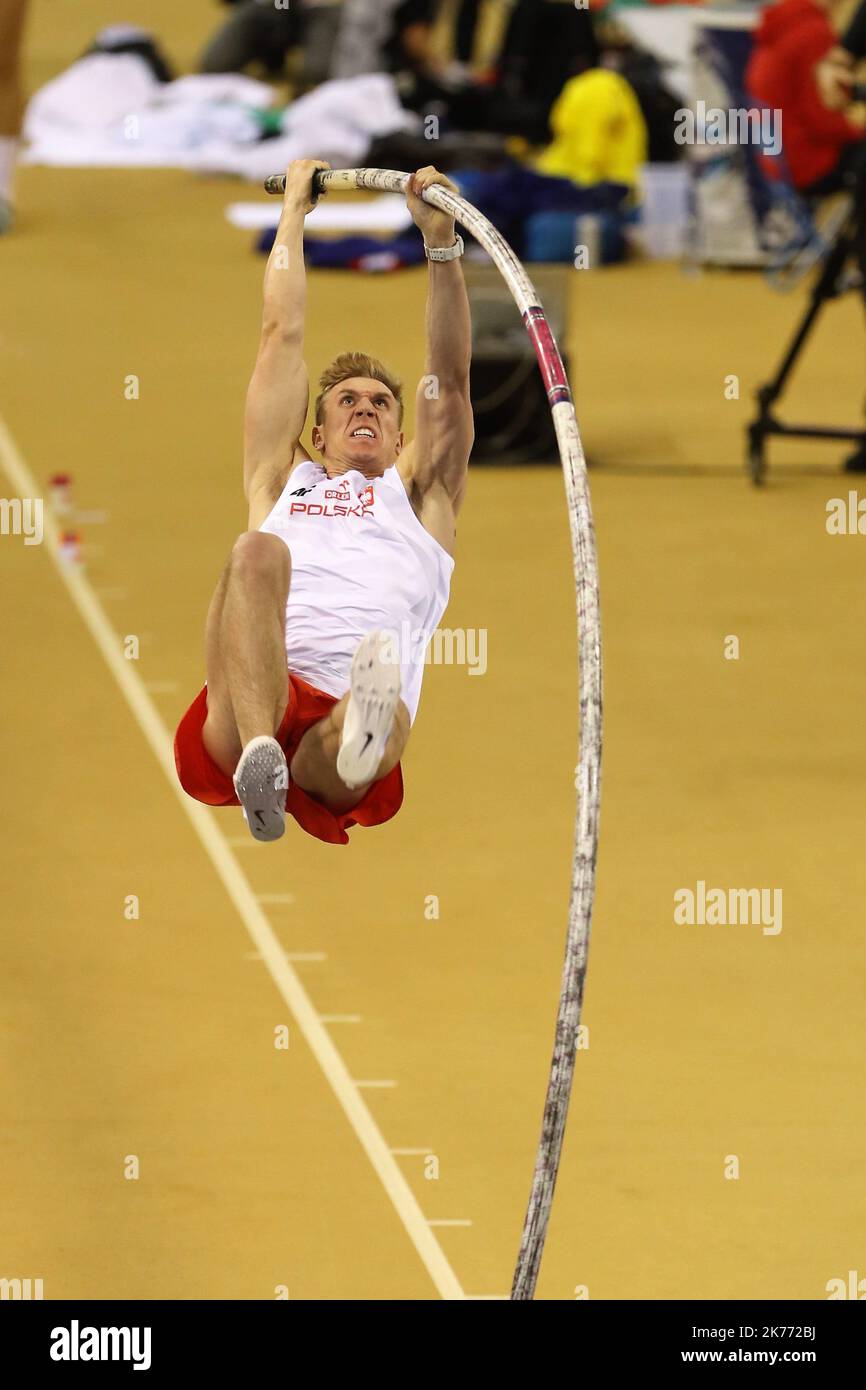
{"x":314,"y":766}
{"x":247,"y":686}
{"x":247,"y":681}
{"x":12,"y":16}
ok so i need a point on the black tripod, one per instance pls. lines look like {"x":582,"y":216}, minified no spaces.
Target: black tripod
{"x":831,"y":283}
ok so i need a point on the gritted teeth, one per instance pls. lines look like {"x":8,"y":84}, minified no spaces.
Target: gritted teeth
{"x":363,"y":430}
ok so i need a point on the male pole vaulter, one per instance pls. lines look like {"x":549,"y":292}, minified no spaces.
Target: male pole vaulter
{"x":308,"y":704}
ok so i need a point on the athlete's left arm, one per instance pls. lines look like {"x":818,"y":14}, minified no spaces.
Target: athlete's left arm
{"x":435,"y":466}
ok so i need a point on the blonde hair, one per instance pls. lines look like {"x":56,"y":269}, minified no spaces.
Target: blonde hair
{"x":350,"y":364}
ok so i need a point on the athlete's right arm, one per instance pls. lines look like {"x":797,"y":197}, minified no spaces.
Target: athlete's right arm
{"x":278,"y":393}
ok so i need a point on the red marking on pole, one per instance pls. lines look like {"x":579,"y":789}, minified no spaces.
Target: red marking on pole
{"x":549,"y":360}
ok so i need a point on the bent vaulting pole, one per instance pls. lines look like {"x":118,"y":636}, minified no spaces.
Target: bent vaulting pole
{"x":589,"y":657}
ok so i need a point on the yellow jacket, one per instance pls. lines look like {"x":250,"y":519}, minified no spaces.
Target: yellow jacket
{"x":599,"y":131}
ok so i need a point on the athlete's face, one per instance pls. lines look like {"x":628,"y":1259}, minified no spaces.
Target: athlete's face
{"x":360,"y":426}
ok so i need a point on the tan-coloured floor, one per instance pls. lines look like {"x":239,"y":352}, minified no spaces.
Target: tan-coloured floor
{"x":155,"y":1037}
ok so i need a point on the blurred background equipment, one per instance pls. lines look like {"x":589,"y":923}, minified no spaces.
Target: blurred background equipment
{"x":512,"y":414}
{"x":723,"y":229}
{"x":257,"y":32}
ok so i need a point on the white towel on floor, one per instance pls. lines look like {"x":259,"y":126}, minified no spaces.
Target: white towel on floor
{"x":108,"y":110}
{"x":387,"y":213}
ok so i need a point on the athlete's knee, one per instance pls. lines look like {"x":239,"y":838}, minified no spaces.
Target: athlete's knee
{"x":260,"y":558}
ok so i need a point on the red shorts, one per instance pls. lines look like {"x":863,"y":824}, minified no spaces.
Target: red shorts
{"x":203,"y":779}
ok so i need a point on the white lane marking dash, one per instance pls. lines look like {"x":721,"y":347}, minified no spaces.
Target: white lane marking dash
{"x":289,"y":955}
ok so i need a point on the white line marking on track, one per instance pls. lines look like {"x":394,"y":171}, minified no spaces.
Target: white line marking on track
{"x":341,"y":1018}
{"x":239,"y":890}
{"x":289,"y":955}
{"x":381,"y":1085}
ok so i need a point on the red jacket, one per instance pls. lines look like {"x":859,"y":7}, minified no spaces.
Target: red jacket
{"x":790,"y":40}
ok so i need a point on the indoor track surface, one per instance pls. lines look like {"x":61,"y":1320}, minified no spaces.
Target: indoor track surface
{"x":386,"y":1152}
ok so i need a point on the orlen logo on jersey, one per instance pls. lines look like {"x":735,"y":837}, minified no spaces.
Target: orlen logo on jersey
{"x":342,"y":507}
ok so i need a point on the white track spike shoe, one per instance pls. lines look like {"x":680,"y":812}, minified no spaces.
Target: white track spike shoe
{"x":261,"y":781}
{"x":374,"y":690}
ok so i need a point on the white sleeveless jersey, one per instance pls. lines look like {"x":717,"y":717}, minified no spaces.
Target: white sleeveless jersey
{"x":360,"y":560}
